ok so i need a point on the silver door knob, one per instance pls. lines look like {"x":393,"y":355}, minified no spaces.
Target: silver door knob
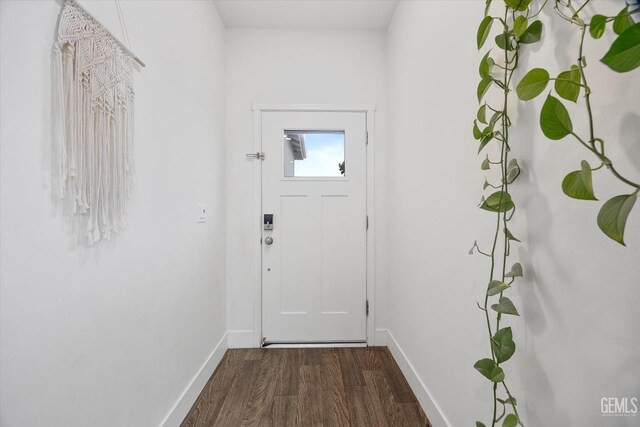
{"x":268,"y":240}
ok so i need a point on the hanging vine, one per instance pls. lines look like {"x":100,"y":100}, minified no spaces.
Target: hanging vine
{"x":623,"y":56}
{"x":518,"y":27}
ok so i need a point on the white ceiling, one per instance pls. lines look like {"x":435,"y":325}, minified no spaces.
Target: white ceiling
{"x":307,"y":14}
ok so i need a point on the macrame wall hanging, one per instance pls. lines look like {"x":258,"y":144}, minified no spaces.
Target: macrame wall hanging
{"x":94,"y":105}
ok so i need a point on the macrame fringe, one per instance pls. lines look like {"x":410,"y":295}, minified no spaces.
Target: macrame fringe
{"x":94,"y":106}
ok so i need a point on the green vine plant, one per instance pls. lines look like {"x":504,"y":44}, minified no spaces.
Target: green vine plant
{"x":623,"y":56}
{"x":518,"y":27}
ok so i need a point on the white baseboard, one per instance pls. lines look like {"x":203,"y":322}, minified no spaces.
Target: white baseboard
{"x":381,"y":337}
{"x":190,"y":394}
{"x":241,"y":339}
{"x":421,"y":391}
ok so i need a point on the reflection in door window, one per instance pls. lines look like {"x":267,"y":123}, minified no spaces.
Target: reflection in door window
{"x":312,"y":153}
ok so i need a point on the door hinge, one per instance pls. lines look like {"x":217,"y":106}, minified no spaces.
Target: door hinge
{"x":367,"y":137}
{"x":367,"y":221}
{"x":367,"y":305}
{"x":258,"y":156}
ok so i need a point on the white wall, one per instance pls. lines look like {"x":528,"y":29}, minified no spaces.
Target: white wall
{"x":290,"y":66}
{"x":577,"y":336}
{"x":112,"y":335}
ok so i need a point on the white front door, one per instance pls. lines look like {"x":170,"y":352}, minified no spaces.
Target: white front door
{"x":314,"y":257}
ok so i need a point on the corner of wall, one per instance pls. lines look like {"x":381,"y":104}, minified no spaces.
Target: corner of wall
{"x":188,"y":397}
{"x":424,"y":396}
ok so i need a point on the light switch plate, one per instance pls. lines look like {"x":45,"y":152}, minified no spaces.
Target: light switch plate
{"x":202,"y":213}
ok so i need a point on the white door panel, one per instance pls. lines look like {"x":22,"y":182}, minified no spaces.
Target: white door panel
{"x":314,"y":272}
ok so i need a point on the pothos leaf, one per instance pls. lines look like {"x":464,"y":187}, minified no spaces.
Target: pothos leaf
{"x":510,"y":421}
{"x":477,"y":134}
{"x":518,"y":4}
{"x":510,"y":236}
{"x":482,"y":114}
{"x":483,"y":31}
{"x":505,"y":41}
{"x":623,"y":21}
{"x":532,"y":33}
{"x":495,"y":287}
{"x":520,"y":25}
{"x":532,"y":84}
{"x":578,"y":184}
{"x":613,"y":215}
{"x":554,"y":119}
{"x":505,"y":306}
{"x":516,"y":269}
{"x":485,"y":140}
{"x":485,"y":65}
{"x":513,"y":171}
{"x":485,"y":165}
{"x":483,"y":87}
{"x":500,"y":201}
{"x":490,"y":370}
{"x":568,"y":84}
{"x":597,"y":26}
{"x":624,"y":54}
{"x":503,"y":345}
{"x":509,"y":400}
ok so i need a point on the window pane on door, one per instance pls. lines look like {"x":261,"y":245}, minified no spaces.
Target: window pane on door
{"x":312,"y":153}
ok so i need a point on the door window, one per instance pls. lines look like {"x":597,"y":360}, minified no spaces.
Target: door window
{"x":313,"y":153}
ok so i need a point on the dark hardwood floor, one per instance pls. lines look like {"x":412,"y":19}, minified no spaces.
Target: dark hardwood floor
{"x":307,"y":387}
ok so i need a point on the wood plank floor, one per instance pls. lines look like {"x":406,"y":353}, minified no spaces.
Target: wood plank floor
{"x":307,"y":387}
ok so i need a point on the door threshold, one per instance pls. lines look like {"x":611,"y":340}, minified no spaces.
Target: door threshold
{"x":321,"y":344}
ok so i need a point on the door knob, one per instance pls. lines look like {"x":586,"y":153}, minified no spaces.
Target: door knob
{"x":268,"y":240}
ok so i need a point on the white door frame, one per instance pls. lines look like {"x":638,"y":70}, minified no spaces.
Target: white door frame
{"x":258,"y":109}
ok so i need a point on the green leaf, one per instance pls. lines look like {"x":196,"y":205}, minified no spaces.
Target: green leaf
{"x":503,"y":345}
{"x":513,"y":171}
{"x":496,"y":287}
{"x":510,"y":236}
{"x":520,"y":25}
{"x":509,"y":400}
{"x":505,"y":306}
{"x":505,"y":41}
{"x":533,"y":33}
{"x":516,"y":269}
{"x":624,"y":54}
{"x":568,"y":84}
{"x":483,"y":31}
{"x":510,"y":421}
{"x":622,"y":21}
{"x":490,"y":370}
{"x":597,"y":26}
{"x":494,"y":118}
{"x":485,"y":166}
{"x":532,"y":84}
{"x":483,"y":87}
{"x":485,"y":65}
{"x":578,"y":184}
{"x":500,"y":201}
{"x":482,"y":114}
{"x":554,"y":119}
{"x":613,"y":215}
{"x":477,"y":134}
{"x":485,"y":139}
{"x":518,"y":4}
{"x":479,"y":424}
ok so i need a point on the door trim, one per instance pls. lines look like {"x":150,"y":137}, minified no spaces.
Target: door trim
{"x":258,"y":109}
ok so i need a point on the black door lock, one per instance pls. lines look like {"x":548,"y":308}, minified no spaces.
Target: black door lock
{"x":268,"y":221}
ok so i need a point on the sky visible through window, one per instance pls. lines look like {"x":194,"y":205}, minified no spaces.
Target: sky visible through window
{"x":324,"y":152}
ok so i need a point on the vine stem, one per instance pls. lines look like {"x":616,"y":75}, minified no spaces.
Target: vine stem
{"x":591,"y":144}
